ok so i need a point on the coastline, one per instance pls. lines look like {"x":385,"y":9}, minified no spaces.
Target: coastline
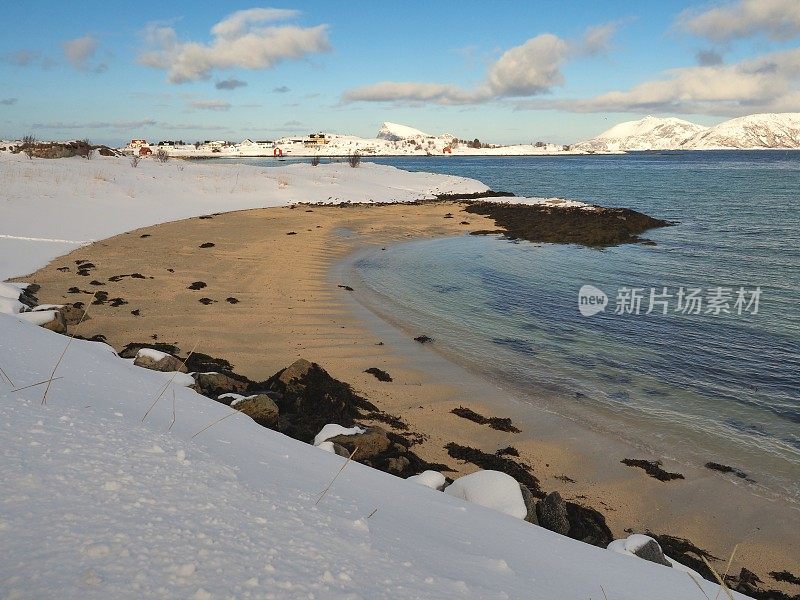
{"x":309,"y":323}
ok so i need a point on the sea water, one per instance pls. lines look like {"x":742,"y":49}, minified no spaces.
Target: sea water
{"x":715,"y":386}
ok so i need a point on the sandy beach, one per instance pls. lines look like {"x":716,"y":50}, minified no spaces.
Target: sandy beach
{"x":270,"y":288}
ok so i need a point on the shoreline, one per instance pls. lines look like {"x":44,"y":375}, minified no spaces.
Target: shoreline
{"x":623,"y":494}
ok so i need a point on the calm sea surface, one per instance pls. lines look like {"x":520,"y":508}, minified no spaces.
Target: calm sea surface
{"x":699,"y":387}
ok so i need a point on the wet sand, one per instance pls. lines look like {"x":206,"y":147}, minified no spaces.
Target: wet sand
{"x":283,"y":268}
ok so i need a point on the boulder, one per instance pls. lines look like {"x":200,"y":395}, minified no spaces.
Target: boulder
{"x":398,"y":465}
{"x":73,"y":315}
{"x":431,"y":479}
{"x":158,"y":361}
{"x":261,"y":408}
{"x":57,"y":323}
{"x":530,"y":504}
{"x":213,"y":384}
{"x":588,"y":525}
{"x":492,"y":489}
{"x":551,"y":512}
{"x":296,"y":371}
{"x":642,"y":546}
{"x":373,"y":442}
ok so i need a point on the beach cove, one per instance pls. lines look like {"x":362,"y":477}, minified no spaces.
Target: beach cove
{"x":287,"y":271}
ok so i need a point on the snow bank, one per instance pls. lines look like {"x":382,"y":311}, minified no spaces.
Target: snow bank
{"x":98,"y":504}
{"x":51,"y":207}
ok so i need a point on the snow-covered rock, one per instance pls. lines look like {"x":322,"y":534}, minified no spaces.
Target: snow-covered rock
{"x":769,"y":130}
{"x":331,"y":430}
{"x":156,"y":360}
{"x":259,"y":407}
{"x":491,"y":489}
{"x":431,"y":479}
{"x":645,"y":547}
{"x":650,"y":133}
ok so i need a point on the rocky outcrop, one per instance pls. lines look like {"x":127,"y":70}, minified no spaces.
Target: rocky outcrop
{"x":260,"y":407}
{"x":214,"y":384}
{"x":551,"y":512}
{"x":158,"y":361}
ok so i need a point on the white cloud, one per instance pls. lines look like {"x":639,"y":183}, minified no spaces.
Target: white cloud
{"x":529,"y":69}
{"x":80,"y":51}
{"x":8,"y":101}
{"x":768,"y":83}
{"x":22,"y":57}
{"x":241,"y":40}
{"x":777,"y":19}
{"x":210,"y":105}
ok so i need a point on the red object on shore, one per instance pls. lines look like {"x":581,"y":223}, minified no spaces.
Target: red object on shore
{"x":447,"y":150}
{"x":144,"y":151}
{"x":277,"y":152}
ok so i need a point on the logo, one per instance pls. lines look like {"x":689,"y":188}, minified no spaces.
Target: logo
{"x":591,"y":300}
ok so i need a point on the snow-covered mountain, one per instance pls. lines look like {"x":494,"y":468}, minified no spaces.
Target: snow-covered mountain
{"x":394,"y":132}
{"x":650,"y":133}
{"x":768,"y":130}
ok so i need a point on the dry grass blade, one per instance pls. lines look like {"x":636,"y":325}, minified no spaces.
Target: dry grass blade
{"x":728,"y":567}
{"x":173,"y":412}
{"x":719,"y":579}
{"x":6,"y":376}
{"x":697,"y":583}
{"x":372,"y":513}
{"x":169,"y":383}
{"x":347,"y":462}
{"x":604,"y":592}
{"x":60,"y":358}
{"x":210,"y":425}
{"x":25,"y":387}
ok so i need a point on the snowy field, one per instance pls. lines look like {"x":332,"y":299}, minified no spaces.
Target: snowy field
{"x":198,"y":501}
{"x":50,"y":207}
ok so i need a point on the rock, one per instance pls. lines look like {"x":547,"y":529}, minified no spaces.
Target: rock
{"x":642,"y":546}
{"x":373,"y":442}
{"x":431,"y":479}
{"x":261,"y":408}
{"x":398,"y":465}
{"x":73,"y":315}
{"x":530,"y":504}
{"x":57,"y":323}
{"x":213,"y":384}
{"x":491,"y":489}
{"x":588,"y":525}
{"x":551,"y":512}
{"x":297,"y":370}
{"x":158,"y":361}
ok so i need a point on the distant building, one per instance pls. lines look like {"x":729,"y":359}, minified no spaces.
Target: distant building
{"x":138,"y":143}
{"x":317,"y":139}
{"x":145,"y":151}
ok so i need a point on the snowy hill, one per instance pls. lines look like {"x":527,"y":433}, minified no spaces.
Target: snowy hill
{"x":769,"y":130}
{"x":395,"y":132}
{"x":650,"y":133}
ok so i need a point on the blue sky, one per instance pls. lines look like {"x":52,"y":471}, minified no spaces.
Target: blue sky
{"x":501,"y":71}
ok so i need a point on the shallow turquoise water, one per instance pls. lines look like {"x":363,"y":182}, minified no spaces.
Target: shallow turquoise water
{"x":695,"y":386}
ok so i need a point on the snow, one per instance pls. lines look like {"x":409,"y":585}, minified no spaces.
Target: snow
{"x":36,"y":318}
{"x":491,"y":489}
{"x":327,"y":446}
{"x":152,"y":354}
{"x":760,"y":131}
{"x":331,"y":430}
{"x":98,"y":504}
{"x":431,"y":479}
{"x":650,"y":133}
{"x":78,"y":200}
{"x":628,"y":547}
{"x":395,"y":132}
{"x":11,"y":305}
